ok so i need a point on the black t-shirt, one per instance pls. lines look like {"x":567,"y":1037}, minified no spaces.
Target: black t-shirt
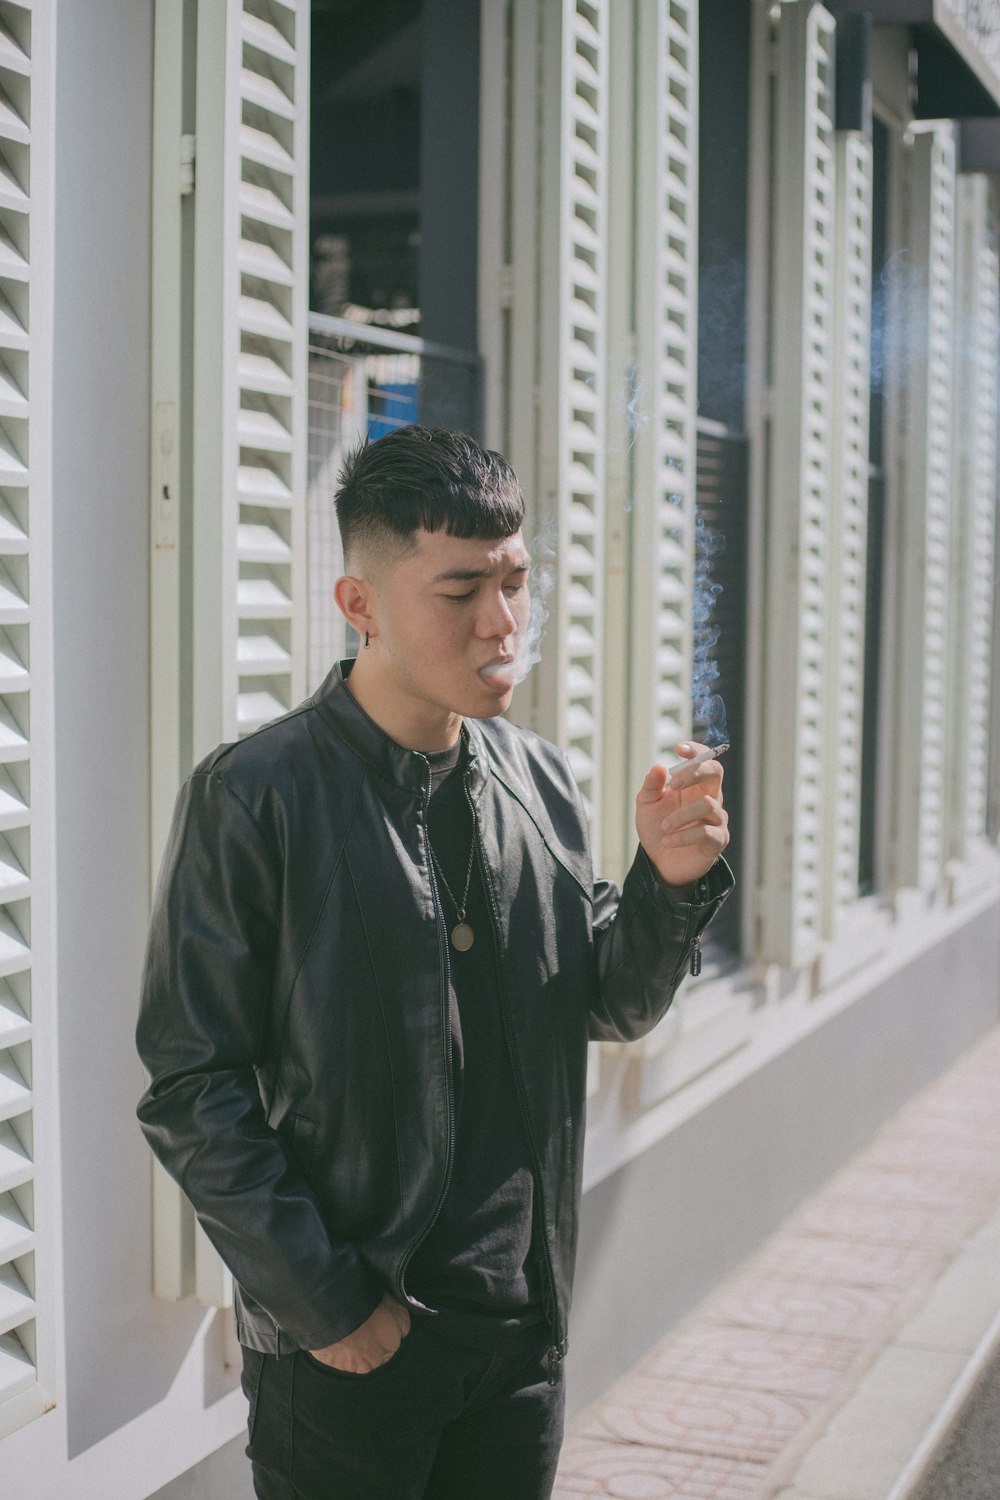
{"x":479,"y":1266}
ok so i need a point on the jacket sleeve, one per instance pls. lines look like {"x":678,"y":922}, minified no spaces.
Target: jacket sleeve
{"x":207,"y":988}
{"x":644,"y":939}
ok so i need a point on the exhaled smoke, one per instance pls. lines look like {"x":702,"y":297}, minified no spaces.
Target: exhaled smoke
{"x":635,"y":417}
{"x":900,"y":326}
{"x":543,"y":581}
{"x":709,"y":708}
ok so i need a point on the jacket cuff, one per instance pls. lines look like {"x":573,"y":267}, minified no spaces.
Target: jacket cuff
{"x":710,"y":890}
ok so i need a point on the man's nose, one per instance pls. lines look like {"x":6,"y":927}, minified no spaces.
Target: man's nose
{"x":497,"y":618}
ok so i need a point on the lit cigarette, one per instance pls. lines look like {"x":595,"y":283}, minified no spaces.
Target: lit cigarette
{"x":697,"y":760}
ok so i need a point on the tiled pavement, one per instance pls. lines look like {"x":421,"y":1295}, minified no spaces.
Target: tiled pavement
{"x":727,"y":1405}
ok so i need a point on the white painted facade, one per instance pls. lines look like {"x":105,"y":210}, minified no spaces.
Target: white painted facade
{"x":154,"y":583}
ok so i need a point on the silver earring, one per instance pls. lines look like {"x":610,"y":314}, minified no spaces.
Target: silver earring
{"x":366,"y":640}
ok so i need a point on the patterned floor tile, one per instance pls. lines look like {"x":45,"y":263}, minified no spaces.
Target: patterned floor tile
{"x":818,"y":1257}
{"x":753,"y":1426}
{"x":710,"y":1408}
{"x":919,"y":1187}
{"x":971,"y":1161}
{"x":755,"y":1359}
{"x":877,"y":1223}
{"x":623,"y":1471}
{"x":863,"y":1313}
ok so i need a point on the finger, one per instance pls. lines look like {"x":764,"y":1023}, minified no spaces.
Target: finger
{"x":653,"y":785}
{"x":708,"y":770}
{"x":703,"y":810}
{"x":712,"y":840}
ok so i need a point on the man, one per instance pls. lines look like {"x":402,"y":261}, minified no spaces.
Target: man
{"x":376,"y":956}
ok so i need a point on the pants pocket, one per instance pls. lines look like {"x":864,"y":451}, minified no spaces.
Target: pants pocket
{"x":352,"y":1376}
{"x":253,"y":1369}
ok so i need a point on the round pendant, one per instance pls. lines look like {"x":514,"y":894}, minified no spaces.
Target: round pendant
{"x":462,"y":937}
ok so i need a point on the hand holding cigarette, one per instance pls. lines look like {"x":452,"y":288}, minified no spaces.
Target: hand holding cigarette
{"x":679,"y":814}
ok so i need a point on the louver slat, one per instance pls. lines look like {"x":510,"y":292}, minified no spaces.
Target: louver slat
{"x":974,"y":521}
{"x":848,"y":522}
{"x":925,"y":496}
{"x":16,"y":1234}
{"x":13,"y":57}
{"x":578,"y":455}
{"x":270,"y":416}
{"x":251,"y":252}
{"x":22,"y":160}
{"x":662,"y":564}
{"x":797,"y":487}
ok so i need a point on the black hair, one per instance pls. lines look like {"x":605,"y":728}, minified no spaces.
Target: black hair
{"x":425,"y":478}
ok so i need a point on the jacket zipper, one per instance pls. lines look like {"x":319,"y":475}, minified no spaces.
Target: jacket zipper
{"x":442,"y":927}
{"x":701,"y":896}
{"x":554,"y":1354}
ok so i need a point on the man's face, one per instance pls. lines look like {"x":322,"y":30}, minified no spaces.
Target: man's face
{"x":451,"y":616}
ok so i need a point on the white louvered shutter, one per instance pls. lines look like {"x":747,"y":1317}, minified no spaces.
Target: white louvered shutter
{"x":797,"y":495}
{"x":251,"y":396}
{"x":977,"y":333}
{"x":571,"y":444}
{"x":26,"y":1334}
{"x":666,"y":324}
{"x":924,"y":500}
{"x":848,"y":513}
{"x":249,"y":435}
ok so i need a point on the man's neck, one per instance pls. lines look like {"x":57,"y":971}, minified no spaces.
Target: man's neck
{"x":410,"y":723}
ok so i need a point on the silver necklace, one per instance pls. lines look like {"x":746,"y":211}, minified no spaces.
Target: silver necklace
{"x":462,"y":935}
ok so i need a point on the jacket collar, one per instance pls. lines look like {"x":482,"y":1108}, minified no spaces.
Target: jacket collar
{"x":406,"y":768}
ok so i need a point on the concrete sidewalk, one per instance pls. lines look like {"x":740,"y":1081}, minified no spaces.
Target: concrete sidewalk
{"x":833,"y":1364}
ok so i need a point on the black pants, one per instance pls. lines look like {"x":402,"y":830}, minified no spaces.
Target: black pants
{"x":440,"y":1421}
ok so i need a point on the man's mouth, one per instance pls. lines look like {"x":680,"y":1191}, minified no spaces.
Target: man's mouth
{"x":500,"y":674}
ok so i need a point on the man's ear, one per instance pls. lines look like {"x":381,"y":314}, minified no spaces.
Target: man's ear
{"x":357,"y":602}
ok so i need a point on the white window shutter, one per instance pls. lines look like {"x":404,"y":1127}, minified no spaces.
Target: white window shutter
{"x":924,"y":499}
{"x":570,"y":430}
{"x":848,"y":521}
{"x":977,"y":331}
{"x":26,"y":1083}
{"x":243,"y":568}
{"x":796,"y":486}
{"x":665,"y":399}
{"x":250,"y":375}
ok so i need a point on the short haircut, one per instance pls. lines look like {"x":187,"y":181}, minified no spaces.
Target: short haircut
{"x":424,"y":478}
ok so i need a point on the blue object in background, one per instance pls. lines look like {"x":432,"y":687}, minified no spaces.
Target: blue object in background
{"x":394,"y":405}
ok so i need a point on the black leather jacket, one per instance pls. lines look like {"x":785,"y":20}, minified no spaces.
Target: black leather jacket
{"x":295,"y":1011}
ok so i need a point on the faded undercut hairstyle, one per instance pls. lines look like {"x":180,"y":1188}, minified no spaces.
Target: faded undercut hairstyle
{"x":423,"y":478}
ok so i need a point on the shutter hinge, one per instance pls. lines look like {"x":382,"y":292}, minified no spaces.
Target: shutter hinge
{"x":187,"y":164}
